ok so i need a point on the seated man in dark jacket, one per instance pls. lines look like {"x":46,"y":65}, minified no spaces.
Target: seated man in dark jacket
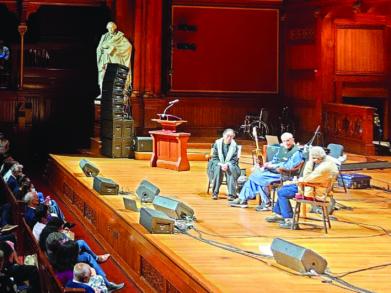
{"x":224,"y":160}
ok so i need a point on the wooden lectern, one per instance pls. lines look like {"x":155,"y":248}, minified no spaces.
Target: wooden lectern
{"x":169,"y":146}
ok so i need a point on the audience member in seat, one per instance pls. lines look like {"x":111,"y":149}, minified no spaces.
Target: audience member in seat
{"x":319,"y":169}
{"x":6,"y":165}
{"x":6,"y":282}
{"x":85,"y":277}
{"x":54,"y":225}
{"x":224,"y":160}
{"x":18,"y":271}
{"x":4,"y":146}
{"x":57,"y":245}
{"x":12,"y":181}
{"x":259,"y":181}
{"x":31,"y":200}
{"x":41,"y":218}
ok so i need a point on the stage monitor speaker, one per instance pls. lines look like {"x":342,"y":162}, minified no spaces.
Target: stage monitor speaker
{"x":89,"y":169}
{"x":143,"y":144}
{"x":173,"y":208}
{"x":296,"y":257}
{"x":130,"y":204}
{"x":146,"y":191}
{"x":156,"y":222}
{"x":105,"y":186}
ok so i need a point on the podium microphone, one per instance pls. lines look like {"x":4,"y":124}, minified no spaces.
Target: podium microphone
{"x":173,"y":102}
{"x":170,"y":104}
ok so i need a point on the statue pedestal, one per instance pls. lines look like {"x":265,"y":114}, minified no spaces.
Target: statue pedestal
{"x":169,"y":146}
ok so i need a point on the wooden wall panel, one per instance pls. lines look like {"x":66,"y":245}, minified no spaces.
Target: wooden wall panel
{"x":360,"y":50}
{"x":301,"y":88}
{"x":301,"y":56}
{"x":208,"y":116}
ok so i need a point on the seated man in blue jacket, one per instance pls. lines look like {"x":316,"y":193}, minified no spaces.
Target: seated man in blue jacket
{"x":81,"y":277}
{"x":259,"y":181}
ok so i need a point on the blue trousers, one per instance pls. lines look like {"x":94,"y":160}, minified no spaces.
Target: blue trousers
{"x":283,"y":206}
{"x":87,"y":256}
{"x":259,"y":182}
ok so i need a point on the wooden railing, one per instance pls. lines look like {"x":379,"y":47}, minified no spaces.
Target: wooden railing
{"x":351,"y":126}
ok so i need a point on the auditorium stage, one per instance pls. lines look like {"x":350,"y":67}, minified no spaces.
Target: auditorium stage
{"x":172,"y":263}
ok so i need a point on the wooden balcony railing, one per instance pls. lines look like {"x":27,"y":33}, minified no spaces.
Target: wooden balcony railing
{"x":351,"y":126}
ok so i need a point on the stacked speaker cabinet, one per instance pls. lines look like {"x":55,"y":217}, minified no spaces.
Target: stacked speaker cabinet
{"x":117,"y":130}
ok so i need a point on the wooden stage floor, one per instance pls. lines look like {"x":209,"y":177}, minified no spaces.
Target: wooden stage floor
{"x":359,"y":239}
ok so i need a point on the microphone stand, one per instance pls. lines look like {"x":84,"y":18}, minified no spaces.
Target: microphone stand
{"x":165,"y":110}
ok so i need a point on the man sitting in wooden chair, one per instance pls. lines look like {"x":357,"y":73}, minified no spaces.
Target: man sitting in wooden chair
{"x":224,"y":160}
{"x":318,"y":170}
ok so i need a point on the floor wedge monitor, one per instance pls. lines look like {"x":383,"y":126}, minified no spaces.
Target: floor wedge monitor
{"x":296,"y":257}
{"x":156,"y":222}
{"x":146,"y":191}
{"x":105,"y":186}
{"x":173,"y":208}
{"x":88,"y":168}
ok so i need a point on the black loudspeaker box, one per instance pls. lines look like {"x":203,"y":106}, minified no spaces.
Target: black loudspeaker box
{"x":88,"y":168}
{"x":296,"y":257}
{"x":143,"y":144}
{"x":173,"y":208}
{"x":146,"y":191}
{"x":156,"y":222}
{"x":105,"y":186}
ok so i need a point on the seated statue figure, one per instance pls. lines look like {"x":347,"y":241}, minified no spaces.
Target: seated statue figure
{"x":113,"y":48}
{"x":259,"y":181}
{"x":224,"y":160}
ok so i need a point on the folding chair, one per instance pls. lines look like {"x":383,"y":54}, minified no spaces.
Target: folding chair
{"x":336,"y":151}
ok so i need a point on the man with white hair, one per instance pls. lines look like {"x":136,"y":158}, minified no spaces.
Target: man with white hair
{"x":286,"y":158}
{"x":224,"y":160}
{"x":81,"y":277}
{"x":12,"y":180}
{"x":319,"y":169}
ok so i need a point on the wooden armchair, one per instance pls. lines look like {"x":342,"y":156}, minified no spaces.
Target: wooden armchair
{"x":320,"y":199}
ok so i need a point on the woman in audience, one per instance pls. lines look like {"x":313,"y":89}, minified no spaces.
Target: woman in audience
{"x":85,"y":255}
{"x":18,"y":271}
{"x":54,"y":225}
{"x":41,"y":218}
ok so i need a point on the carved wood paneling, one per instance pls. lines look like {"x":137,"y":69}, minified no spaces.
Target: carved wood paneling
{"x":126,"y":240}
{"x":78,"y":202}
{"x":360,"y":50}
{"x":151,"y":275}
{"x":90,"y":214}
{"x":351,"y":126}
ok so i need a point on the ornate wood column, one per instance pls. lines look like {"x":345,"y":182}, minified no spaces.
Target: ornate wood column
{"x":22,"y":28}
{"x":153,"y":48}
{"x":147,"y":58}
